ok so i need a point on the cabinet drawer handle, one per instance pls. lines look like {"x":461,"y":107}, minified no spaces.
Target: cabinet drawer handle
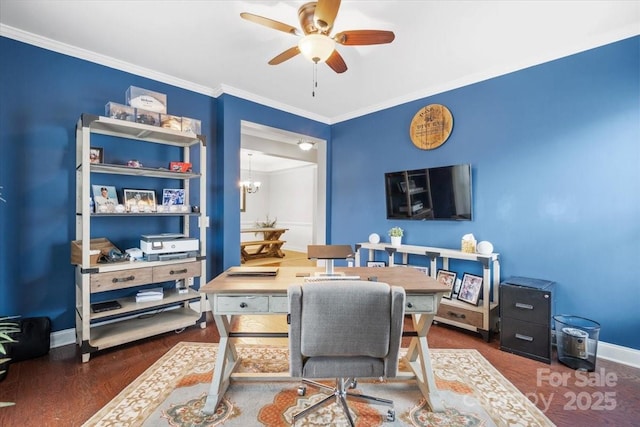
{"x":123,"y":279}
{"x":525,"y":306}
{"x":409,"y":305}
{"x":178,"y":271}
{"x":524,"y":337}
{"x":243,"y":305}
{"x":458,"y":315}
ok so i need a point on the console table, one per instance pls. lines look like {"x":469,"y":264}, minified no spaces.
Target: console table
{"x":255,"y":295}
{"x":482,"y":318}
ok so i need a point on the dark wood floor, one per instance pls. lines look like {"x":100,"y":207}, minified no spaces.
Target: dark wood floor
{"x":59,"y":390}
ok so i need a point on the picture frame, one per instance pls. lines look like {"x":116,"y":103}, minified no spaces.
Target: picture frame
{"x":470,"y":288}
{"x":376,"y":264}
{"x":96,"y":155}
{"x":243,"y":199}
{"x":420,"y":268}
{"x":140,"y":200}
{"x":447,"y":278}
{"x":105,"y":198}
{"x":173,"y":197}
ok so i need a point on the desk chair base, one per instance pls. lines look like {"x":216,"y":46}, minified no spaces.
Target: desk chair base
{"x":341,"y":396}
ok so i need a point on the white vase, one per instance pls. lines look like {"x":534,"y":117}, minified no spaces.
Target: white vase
{"x":396,"y":240}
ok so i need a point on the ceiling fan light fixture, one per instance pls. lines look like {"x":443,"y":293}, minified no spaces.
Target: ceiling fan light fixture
{"x":317,"y":47}
{"x":305,"y":145}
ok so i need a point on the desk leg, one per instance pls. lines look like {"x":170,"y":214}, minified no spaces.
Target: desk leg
{"x":226,"y":361}
{"x":419,"y":360}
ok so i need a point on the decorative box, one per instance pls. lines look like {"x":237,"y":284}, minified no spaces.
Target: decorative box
{"x":171,"y":122}
{"x":191,"y":125}
{"x":146,"y":99}
{"x":147,"y":117}
{"x":119,"y":111}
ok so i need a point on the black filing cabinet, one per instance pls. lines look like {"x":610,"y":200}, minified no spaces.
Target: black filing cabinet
{"x":526,"y":309}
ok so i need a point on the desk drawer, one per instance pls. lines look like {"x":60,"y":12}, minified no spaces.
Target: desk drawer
{"x":241,"y":304}
{"x":278,"y":304}
{"x":101,"y":282}
{"x":419,"y":304}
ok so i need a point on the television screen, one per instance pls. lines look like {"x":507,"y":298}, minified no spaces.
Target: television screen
{"x":438,"y":193}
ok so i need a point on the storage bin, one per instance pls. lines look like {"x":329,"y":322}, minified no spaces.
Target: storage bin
{"x":577,"y":341}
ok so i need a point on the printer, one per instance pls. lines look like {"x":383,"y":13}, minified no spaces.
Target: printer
{"x":168,"y":246}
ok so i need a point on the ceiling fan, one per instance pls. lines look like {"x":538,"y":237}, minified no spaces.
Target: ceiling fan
{"x":316,"y":20}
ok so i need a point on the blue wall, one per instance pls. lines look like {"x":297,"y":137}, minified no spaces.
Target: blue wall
{"x":232,"y":111}
{"x":555,"y":154}
{"x":42,"y":95}
{"x":554,"y":149}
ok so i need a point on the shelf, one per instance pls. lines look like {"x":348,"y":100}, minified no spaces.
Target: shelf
{"x":480,"y":308}
{"x":112,"y":334}
{"x":150,"y":172}
{"x":130,"y":214}
{"x":130,"y":306}
{"x":129,"y":265}
{"x":131,"y":130}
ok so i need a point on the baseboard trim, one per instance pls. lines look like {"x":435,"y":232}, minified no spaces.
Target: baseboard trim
{"x":612,"y":352}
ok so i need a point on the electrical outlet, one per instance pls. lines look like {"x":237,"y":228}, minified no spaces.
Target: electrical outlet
{"x":190,"y":282}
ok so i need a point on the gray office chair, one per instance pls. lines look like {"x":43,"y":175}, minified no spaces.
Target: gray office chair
{"x":344,"y":330}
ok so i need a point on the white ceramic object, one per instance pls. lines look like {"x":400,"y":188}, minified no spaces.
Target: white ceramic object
{"x":396,"y":240}
{"x":484,"y":248}
{"x":374,"y":238}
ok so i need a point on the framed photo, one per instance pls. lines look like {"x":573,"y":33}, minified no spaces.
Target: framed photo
{"x":172,"y":196}
{"x":376,"y":264}
{"x":96,"y":155}
{"x":105,"y":198}
{"x":447,"y":278}
{"x":140,"y":200}
{"x":243,"y":199}
{"x":421,"y":269}
{"x":470,"y":288}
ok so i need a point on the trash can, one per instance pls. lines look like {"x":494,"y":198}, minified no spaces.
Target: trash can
{"x":577,"y":341}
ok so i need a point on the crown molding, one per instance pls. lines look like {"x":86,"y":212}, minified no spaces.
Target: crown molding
{"x":56,"y":46}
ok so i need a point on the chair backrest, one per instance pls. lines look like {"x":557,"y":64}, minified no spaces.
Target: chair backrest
{"x":346,"y":318}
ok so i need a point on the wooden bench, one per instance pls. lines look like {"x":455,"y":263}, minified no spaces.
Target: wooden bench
{"x":266,"y":248}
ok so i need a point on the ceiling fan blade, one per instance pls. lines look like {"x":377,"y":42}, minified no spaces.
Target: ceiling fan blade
{"x":336,"y":62}
{"x":276,"y":25}
{"x":325,"y":14}
{"x":364,"y":37}
{"x":287,"y":54}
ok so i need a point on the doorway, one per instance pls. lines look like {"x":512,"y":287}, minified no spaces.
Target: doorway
{"x":274,"y":156}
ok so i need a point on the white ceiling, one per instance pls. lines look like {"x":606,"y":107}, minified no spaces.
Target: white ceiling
{"x":205,"y":46}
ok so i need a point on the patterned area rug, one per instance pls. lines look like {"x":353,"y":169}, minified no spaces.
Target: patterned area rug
{"x":173,"y":390}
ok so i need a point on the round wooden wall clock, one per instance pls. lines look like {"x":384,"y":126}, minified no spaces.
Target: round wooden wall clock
{"x":431,"y":126}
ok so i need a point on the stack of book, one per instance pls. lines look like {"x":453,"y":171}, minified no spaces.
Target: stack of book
{"x":145,"y":295}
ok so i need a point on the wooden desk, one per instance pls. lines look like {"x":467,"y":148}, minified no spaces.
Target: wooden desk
{"x":269,"y":246}
{"x":230,"y":296}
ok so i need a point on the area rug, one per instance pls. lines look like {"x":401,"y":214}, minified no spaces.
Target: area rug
{"x":173,"y":390}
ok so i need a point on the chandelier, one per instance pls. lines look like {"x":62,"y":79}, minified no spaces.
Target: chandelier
{"x":250,"y":186}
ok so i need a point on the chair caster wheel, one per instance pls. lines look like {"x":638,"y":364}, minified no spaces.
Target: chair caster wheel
{"x":302,"y":390}
{"x":391,"y":415}
{"x":353,"y":384}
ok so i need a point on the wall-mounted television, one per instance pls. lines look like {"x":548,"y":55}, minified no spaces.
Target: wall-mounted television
{"x":437,"y":193}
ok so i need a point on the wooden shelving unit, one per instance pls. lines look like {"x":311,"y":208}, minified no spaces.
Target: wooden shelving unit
{"x":135,"y":320}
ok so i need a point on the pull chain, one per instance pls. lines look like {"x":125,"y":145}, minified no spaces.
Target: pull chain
{"x":315,"y":79}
